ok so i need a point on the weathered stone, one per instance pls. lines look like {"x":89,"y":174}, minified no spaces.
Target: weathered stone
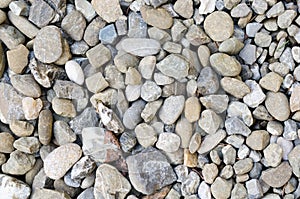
{"x":271,"y":81}
{"x":86,"y":9}
{"x":211,"y":141}
{"x":285,"y":19}
{"x":294,"y":160}
{"x":10,"y":36}
{"x":21,"y":128}
{"x":6,"y":142}
{"x":74,"y":25}
{"x":158,"y":17}
{"x":184,"y":8}
{"x":241,"y":10}
{"x":133,"y":77}
{"x":174,"y":66}
{"x":45,"y":126}
{"x":31,"y":107}
{"x":262,"y":39}
{"x":248,"y":54}
{"x":277,"y":105}
{"x":62,"y":133}
{"x":141,"y":47}
{"x":150,"y":110}
{"x":146,"y":66}
{"x":225,"y":65}
{"x":17,"y":65}
{"x":171,"y":109}
{"x":221,"y":188}
{"x":41,"y":13}
{"x":149,"y":171}
{"x":277,"y":177}
{"x":196,"y":36}
{"x":63,"y":107}
{"x":145,"y":134}
{"x":234,"y":125}
{"x":96,"y":83}
{"x":91,"y":34}
{"x":275,"y":10}
{"x":13,"y":188}
{"x":273,"y":154}
{"x":258,"y":140}
{"x":192,"y":109}
{"x":110,"y":182}
{"x":108,"y":10}
{"x":26,"y":85}
{"x":208,"y":82}
{"x":29,"y":145}
{"x":168,"y":142}
{"x":210,"y":172}
{"x":209,"y":121}
{"x":243,"y":166}
{"x":61,"y":159}
{"x":256,"y":96}
{"x":137,"y":27}
{"x":231,"y":46}
{"x":98,"y":55}
{"x":215,"y":30}
{"x":48,"y":194}
{"x":259,"y":6}
{"x":18,"y":163}
{"x":132,"y":116}
{"x":254,"y":189}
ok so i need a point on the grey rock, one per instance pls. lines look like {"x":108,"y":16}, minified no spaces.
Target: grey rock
{"x":83,"y":168}
{"x":234,"y":125}
{"x":62,"y":132}
{"x":88,"y":118}
{"x":145,"y":134}
{"x":256,"y":96}
{"x":221,"y":188}
{"x":287,"y":58}
{"x":74,"y":183}
{"x":229,"y":155}
{"x":210,"y":172}
{"x":132,"y":92}
{"x":290,"y":130}
{"x":18,"y":163}
{"x":74,"y":25}
{"x":26,"y":85}
{"x":157,"y":3}
{"x":240,"y":110}
{"x":68,"y":90}
{"x":87,"y":193}
{"x":254,"y":189}
{"x":159,"y":17}
{"x":275,"y":10}
{"x":285,"y":19}
{"x":259,"y":6}
{"x":127,"y":141}
{"x":168,"y":142}
{"x":178,"y":30}
{"x":150,"y":110}
{"x":190,"y":184}
{"x":114,"y":77}
{"x":79,"y":48}
{"x":211,"y":141}
{"x":133,"y":114}
{"x":159,"y":35}
{"x":273,"y":154}
{"x":241,"y":10}
{"x":63,"y":107}
{"x":294,"y":160}
{"x":45,"y":124}
{"x":14,"y":188}
{"x":226,"y":172}
{"x":171,"y":109}
{"x":217,"y":103}
{"x":209,"y":121}
{"x":146,"y":178}
{"x":91,"y":34}
{"x":197,"y":36}
{"x":271,"y":176}
{"x":280,"y":101}
{"x":108,"y":34}
{"x":271,"y":77}
{"x":235,"y":140}
{"x":86,"y":9}
{"x":10,"y":36}
{"x":41,"y":13}
{"x":29,"y":145}
{"x":137,"y":27}
{"x":239,"y":191}
{"x":204,"y":190}
{"x":146,"y":66}
{"x":231,"y":46}
{"x":248,"y":54}
{"x":208,"y":82}
{"x":98,"y":55}
{"x":140,"y":46}
{"x":243,"y":166}
{"x":96,"y":83}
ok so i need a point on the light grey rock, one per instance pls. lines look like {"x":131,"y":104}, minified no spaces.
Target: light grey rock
{"x":41,"y":13}
{"x":110,"y":11}
{"x":243,"y":166}
{"x":280,"y":101}
{"x":42,"y":192}
{"x":273,"y":154}
{"x":197,"y":36}
{"x":259,"y":6}
{"x":127,"y":141}
{"x":285,"y":19}
{"x":207,"y":7}
{"x":239,"y":191}
{"x":256,"y":96}
{"x":145,"y":134}
{"x":229,"y":155}
{"x":168,"y":142}
{"x":13,"y":188}
{"x":74,"y":72}
{"x":147,"y":178}
{"x":150,"y":91}
{"x":265,"y":81}
{"x":133,"y":114}
{"x":275,"y":10}
{"x":171,"y":109}
{"x":74,"y":25}
{"x":254,"y":189}
{"x":29,"y":145}
{"x":150,"y":110}
{"x":137,"y":27}
{"x":159,"y":35}
{"x":62,"y":132}
{"x":6,"y":142}
{"x":190,"y":184}
{"x":208,"y":82}
{"x":204,"y":191}
{"x":239,"y":11}
{"x":91,"y":34}
{"x":211,"y":141}
{"x":108,"y":34}
{"x":234,"y":125}
{"x":88,"y":118}
{"x":18,"y":163}
{"x":248,"y":54}
{"x":231,"y":46}
{"x":253,"y":28}
{"x":86,"y":9}
{"x":146,"y":66}
{"x":294,"y":160}
{"x":240,"y":110}
{"x":290,"y":130}
{"x":271,"y":176}
{"x":210,"y":172}
{"x":141,"y":47}
{"x":209,"y":121}
{"x":221,"y":188}
{"x":217,"y":103}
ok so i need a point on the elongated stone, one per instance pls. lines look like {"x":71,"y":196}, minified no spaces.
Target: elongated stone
{"x":140,"y":46}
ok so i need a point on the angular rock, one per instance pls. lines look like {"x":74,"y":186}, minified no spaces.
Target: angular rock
{"x":234,"y":125}
{"x":258,"y":140}
{"x":137,"y":27}
{"x":208,"y":82}
{"x":10,"y":36}
{"x":254,"y":189}
{"x":74,"y":25}
{"x":273,"y":154}
{"x":18,"y":163}
{"x":196,"y":36}
{"x":158,"y":17}
{"x":96,"y":83}
{"x":86,"y":9}
{"x":83,"y":168}
{"x":13,"y":188}
{"x":243,"y":166}
{"x":248,"y":54}
{"x":168,"y":142}
{"x":61,"y":159}
{"x":62,"y":133}
{"x":6,"y":142}
{"x":29,"y":145}
{"x":171,"y":109}
{"x":91,"y":34}
{"x":63,"y":107}
{"x":211,"y":141}
{"x":108,"y":34}
{"x":41,"y":13}
{"x":241,"y":10}
{"x":184,"y":8}
{"x":108,"y":10}
{"x":286,"y":18}
{"x":98,"y":55}
{"x":225,"y":65}
{"x":149,"y":171}
{"x":17,"y":65}
{"x":31,"y":107}
{"x":209,"y":121}
{"x":256,"y":96}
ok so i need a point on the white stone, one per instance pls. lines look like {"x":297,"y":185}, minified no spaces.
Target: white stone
{"x":74,"y":72}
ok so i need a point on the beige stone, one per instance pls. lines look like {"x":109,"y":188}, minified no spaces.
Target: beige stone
{"x":17,"y":58}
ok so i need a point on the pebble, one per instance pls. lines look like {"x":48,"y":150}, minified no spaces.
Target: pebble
{"x":17,"y":65}
{"x":217,"y":103}
{"x":171,"y":109}
{"x":141,"y":47}
{"x":105,"y":186}
{"x":234,"y":125}
{"x":256,"y":96}
{"x":195,"y":142}
{"x":96,"y":83}
{"x":290,"y":130}
{"x":296,"y":53}
{"x":10,"y":36}
{"x":280,"y":101}
{"x":294,"y":102}
{"x":225,"y":65}
{"x":45,"y":124}
{"x":215,"y":30}
{"x":62,"y":133}
{"x":61,"y":159}
{"x":207,"y":7}
{"x":231,"y":46}
{"x":210,"y":172}
{"x":91,"y":34}
{"x":208,"y":81}
{"x":7,"y":141}
{"x":74,"y":72}
{"x":262,"y":39}
{"x":190,"y":185}
{"x":41,"y":13}
{"x":259,"y":6}
{"x":229,"y":155}
{"x":26,"y":85}
{"x":254,"y":189}
{"x":221,"y":188}
{"x":63,"y":107}
{"x":145,"y":134}
{"x":211,"y":141}
{"x":279,"y":68}
{"x":14,"y":188}
{"x":209,"y":121}
{"x":293,"y":158}
{"x":162,"y":79}
{"x":86,"y":9}
{"x":243,"y":166}
{"x":174,"y":66}
{"x":21,"y":128}
{"x":157,"y":17}
{"x":196,"y":36}
{"x":42,"y":192}
{"x":68,"y":90}
{"x":132,"y":115}
{"x":285,"y":19}
{"x":98,"y":55}
{"x":203,"y":55}
{"x":184,"y":129}
{"x":132,"y":77}
{"x":235,"y":87}
{"x":248,"y":54}
{"x":47,"y":44}
{"x":108,"y":34}
{"x":238,"y":191}
{"x":258,"y":140}
{"x":31,"y":107}
{"x":29,"y":145}
{"x":146,"y":66}
{"x":184,"y":8}
{"x":275,"y":10}
{"x":108,"y":10}
{"x":239,"y":11}
{"x":189,"y":159}
{"x":18,"y":163}
{"x":146,"y":178}
{"x":273,"y":154}
{"x":277,"y":177}
{"x":271,"y":81}
{"x":137,"y":27}
{"x":168,"y":142}
{"x":192,"y":109}
{"x":227,"y":172}
{"x":74,"y":25}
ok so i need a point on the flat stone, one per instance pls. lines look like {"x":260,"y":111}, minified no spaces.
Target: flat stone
{"x":271,"y":81}
{"x":241,"y":10}
{"x":41,"y":13}
{"x":18,"y":163}
{"x":105,"y":183}
{"x":86,"y":8}
{"x":217,"y":103}
{"x":235,"y":87}
{"x":293,"y":158}
{"x":108,"y":34}
{"x":96,"y":83}
{"x":192,"y":109}
{"x":215,"y":30}
{"x":184,"y":8}
{"x":174,"y":66}
{"x":203,"y":55}
{"x":74,"y":25}
{"x":258,"y":140}
{"x":211,"y":141}
{"x":262,"y":39}
{"x":277,"y":105}
{"x":132,"y":116}
{"x":209,"y":121}
{"x":29,"y":145}
{"x":248,"y":54}
{"x":171,"y":109}
{"x":145,"y":134}
{"x":7,"y":141}
{"x":61,"y":159}
{"x":26,"y":85}
{"x":62,"y":133}
{"x":149,"y":171}
{"x":277,"y":177}
{"x":31,"y":107}
{"x":42,"y":192}
{"x":18,"y":65}
{"x":285,"y":19}
{"x":10,"y":36}
{"x":21,"y":128}
{"x":168,"y":142}
{"x":45,"y":124}
{"x":225,"y":65}
{"x":98,"y":55}
{"x":47,"y":44}
{"x":208,"y":81}
{"x":141,"y":47}
{"x":184,"y":129}
{"x":256,"y":96}
{"x":108,"y":10}
{"x":63,"y":107}
{"x":157,"y":17}
{"x":243,"y":166}
{"x":14,"y":188}
{"x":221,"y":188}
